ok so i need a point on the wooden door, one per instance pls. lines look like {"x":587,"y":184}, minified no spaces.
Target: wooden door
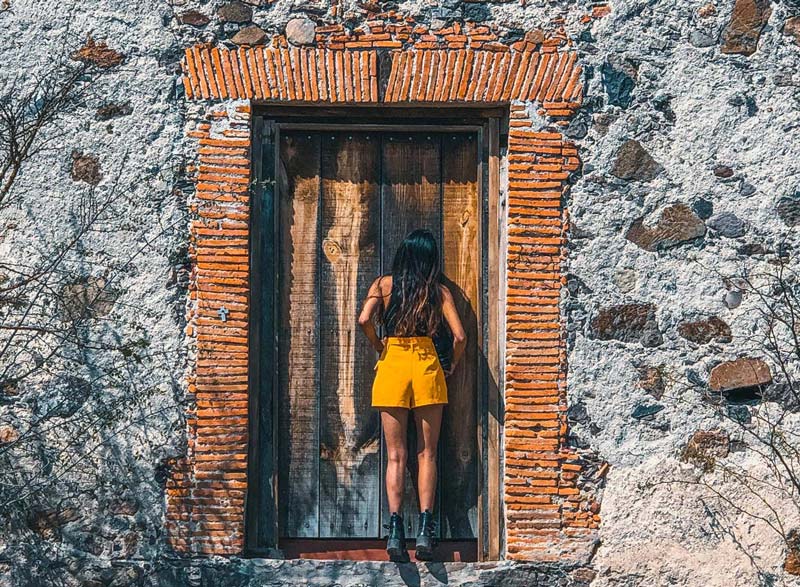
{"x":345,"y":201}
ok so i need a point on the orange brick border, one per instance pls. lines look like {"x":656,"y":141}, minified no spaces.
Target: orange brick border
{"x":547,"y":514}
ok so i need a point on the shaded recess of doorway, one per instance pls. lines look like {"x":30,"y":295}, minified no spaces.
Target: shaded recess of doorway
{"x":336,"y":194}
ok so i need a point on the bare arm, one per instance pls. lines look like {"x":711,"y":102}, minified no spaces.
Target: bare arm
{"x":450,"y":314}
{"x":372,"y":302}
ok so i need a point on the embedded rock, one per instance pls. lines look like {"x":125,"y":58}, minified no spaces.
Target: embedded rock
{"x":8,"y":434}
{"x":727,"y":224}
{"x":98,"y":54}
{"x":633,"y":162}
{"x":625,"y":279}
{"x":193,"y":18}
{"x":792,"y":562}
{"x":705,"y":446}
{"x":236,"y":12}
{"x":703,"y":208}
{"x":86,"y":168}
{"x":740,"y":373}
{"x":251,"y":35}
{"x":651,"y":379}
{"x":792,"y":28}
{"x":646,"y":411}
{"x":788,"y":209}
{"x":723,"y":171}
{"x":87,"y":297}
{"x":677,"y":225}
{"x":300,"y":31}
{"x":618,"y":81}
{"x":704,"y":331}
{"x":628,"y":323}
{"x":113,"y":110}
{"x":732,"y":299}
{"x":744,"y":28}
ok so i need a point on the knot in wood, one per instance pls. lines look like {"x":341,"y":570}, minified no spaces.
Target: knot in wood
{"x":332,"y":250}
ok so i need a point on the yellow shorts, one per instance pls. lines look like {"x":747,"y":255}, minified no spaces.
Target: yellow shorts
{"x":408,"y":374}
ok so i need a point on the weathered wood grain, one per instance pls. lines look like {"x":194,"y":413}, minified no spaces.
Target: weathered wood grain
{"x":461,"y":262}
{"x":349,"y":427}
{"x":298,"y":340}
{"x":411,"y":199}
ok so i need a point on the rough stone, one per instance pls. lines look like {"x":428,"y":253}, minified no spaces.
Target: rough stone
{"x":628,"y":323}
{"x":704,"y":331}
{"x":300,"y":31}
{"x":113,"y":110}
{"x":86,"y":168}
{"x":618,"y":80}
{"x":625,"y":279}
{"x":792,"y":562}
{"x":703,"y":208}
{"x":788,"y":209}
{"x":792,"y":28}
{"x":236,"y":12}
{"x":743,"y":31}
{"x":747,"y":189}
{"x":99,"y":54}
{"x":707,"y":10}
{"x":123,"y":506}
{"x":47,"y":523}
{"x":8,"y":434}
{"x":646,"y":411}
{"x":88,"y":297}
{"x":676,"y":225}
{"x":739,"y":373}
{"x":723,"y":171}
{"x":739,"y":414}
{"x":705,"y":447}
{"x":651,"y":379}
{"x":633,"y":162}
{"x":251,"y":35}
{"x":193,"y":18}
{"x":732,"y":299}
{"x":701,"y":40}
{"x":727,"y":224}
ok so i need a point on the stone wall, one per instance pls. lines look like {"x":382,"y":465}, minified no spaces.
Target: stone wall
{"x":689,"y":182}
{"x":689,"y":175}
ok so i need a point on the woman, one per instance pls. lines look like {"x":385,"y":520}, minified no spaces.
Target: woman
{"x":418,"y":315}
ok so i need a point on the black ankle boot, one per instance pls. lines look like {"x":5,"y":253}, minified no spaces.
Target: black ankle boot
{"x":396,"y":541}
{"x":426,"y":539}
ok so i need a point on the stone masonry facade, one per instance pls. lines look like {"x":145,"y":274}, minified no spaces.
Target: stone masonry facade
{"x":650,"y":204}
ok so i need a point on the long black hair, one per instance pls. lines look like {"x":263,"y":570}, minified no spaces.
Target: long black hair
{"x":415,"y":306}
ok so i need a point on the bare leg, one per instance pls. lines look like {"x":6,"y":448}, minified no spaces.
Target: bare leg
{"x":429,"y":422}
{"x":395,"y":426}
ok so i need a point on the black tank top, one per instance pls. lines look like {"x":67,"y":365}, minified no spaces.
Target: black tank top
{"x":442,"y":338}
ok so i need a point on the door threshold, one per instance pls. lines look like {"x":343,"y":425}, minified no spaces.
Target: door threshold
{"x":372,"y":550}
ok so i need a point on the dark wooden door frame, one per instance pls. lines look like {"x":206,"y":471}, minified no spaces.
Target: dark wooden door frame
{"x":261,"y":520}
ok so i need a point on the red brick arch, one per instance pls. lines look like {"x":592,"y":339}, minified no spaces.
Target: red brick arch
{"x":546,"y":514}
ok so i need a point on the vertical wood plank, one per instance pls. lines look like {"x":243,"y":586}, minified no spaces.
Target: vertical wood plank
{"x":261,"y":519}
{"x":298,"y":343}
{"x":461,"y":265}
{"x":496,"y":309}
{"x":349,"y":427}
{"x":411,"y":200}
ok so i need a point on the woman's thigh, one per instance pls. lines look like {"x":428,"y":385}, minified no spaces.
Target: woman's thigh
{"x":395,"y":427}
{"x":429,"y":422}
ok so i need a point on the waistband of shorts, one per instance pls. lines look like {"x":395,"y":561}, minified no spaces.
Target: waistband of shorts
{"x":408,"y":340}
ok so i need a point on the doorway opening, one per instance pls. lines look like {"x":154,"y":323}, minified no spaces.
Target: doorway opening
{"x":335,"y":196}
